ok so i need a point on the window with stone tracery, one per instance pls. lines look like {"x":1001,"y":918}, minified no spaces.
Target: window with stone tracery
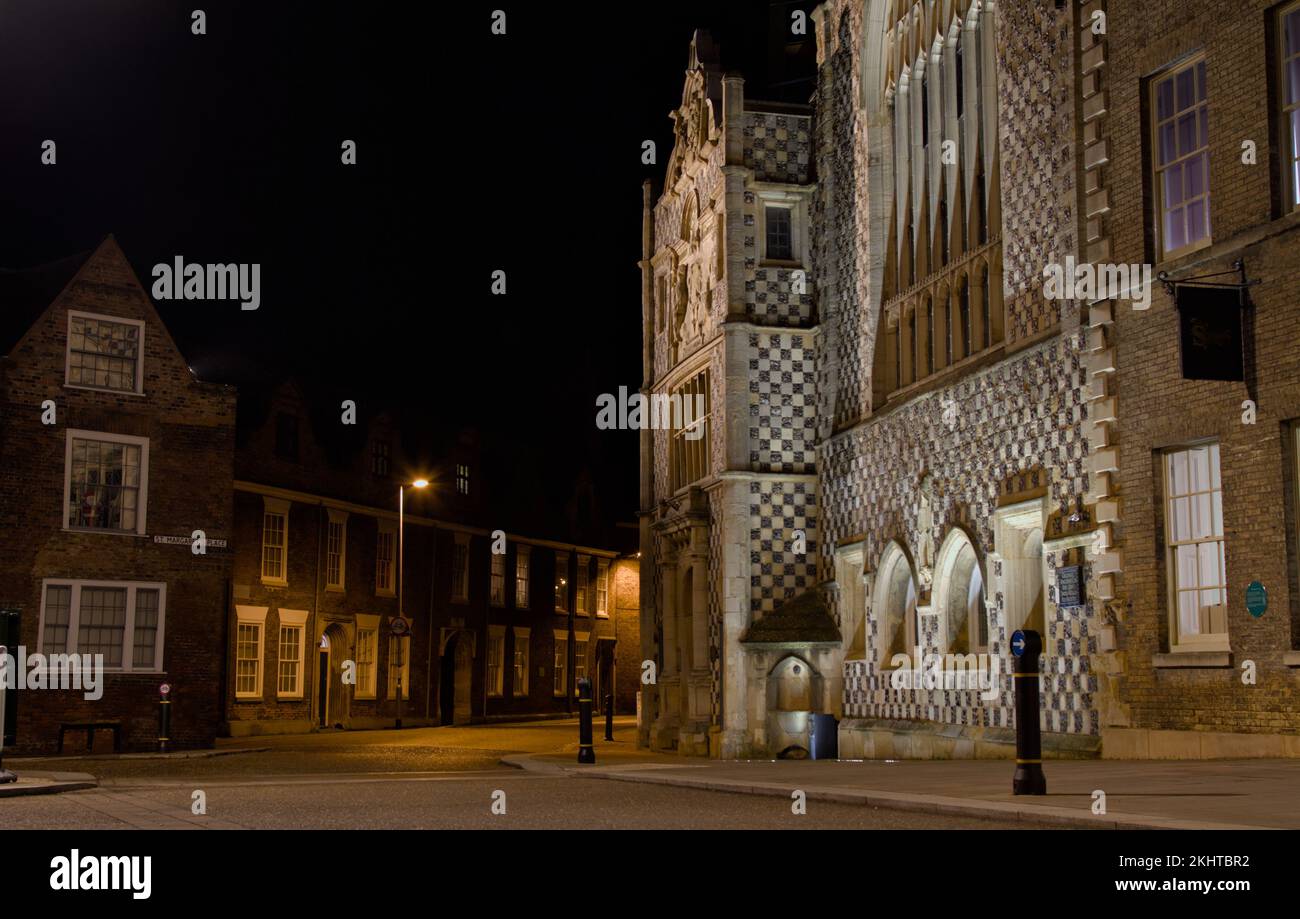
{"x":938,"y":87}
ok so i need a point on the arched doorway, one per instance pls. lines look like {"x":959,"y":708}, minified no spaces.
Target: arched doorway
{"x":332,"y":702}
{"x":456,"y":674}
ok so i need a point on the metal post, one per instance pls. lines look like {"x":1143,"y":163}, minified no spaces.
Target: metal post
{"x":164,"y":718}
{"x":609,"y":716}
{"x":401,"y":584}
{"x":586,"y":750}
{"x":6,"y":777}
{"x":1026,"y":644}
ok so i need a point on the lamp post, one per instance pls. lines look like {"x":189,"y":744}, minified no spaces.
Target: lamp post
{"x":401,"y":564}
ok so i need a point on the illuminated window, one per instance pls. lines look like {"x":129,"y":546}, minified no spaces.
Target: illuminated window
{"x":385,"y":559}
{"x":275,"y":542}
{"x":1180,"y":129}
{"x":462,"y":479}
{"x":335,"y":548}
{"x":602,"y":587}
{"x":250,"y":622}
{"x":560,"y":686}
{"x":496,"y":660}
{"x":104,"y":352}
{"x":521,"y":576}
{"x":292,"y":646}
{"x":519,"y":683}
{"x":1194,"y":549}
{"x":498,"y":586}
{"x":460,"y":569}
{"x":1289,"y":58}
{"x":561,"y":582}
{"x":106,"y":481}
{"x":399,"y":666}
{"x":367,"y":652}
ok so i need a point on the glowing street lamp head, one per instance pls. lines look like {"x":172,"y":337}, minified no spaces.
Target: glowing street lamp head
{"x":420,"y":483}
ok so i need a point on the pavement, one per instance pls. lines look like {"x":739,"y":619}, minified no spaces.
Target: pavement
{"x":47,"y":783}
{"x":444,"y":773}
{"x":1217,"y":794}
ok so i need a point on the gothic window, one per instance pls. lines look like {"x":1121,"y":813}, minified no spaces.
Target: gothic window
{"x":959,"y":596}
{"x":894,"y":606}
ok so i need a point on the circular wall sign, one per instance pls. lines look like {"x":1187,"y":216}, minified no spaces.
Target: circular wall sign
{"x":1256,"y":599}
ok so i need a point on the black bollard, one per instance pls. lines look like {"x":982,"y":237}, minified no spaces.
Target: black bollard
{"x":1027,"y":644}
{"x":609,"y":716}
{"x":164,"y":718}
{"x":586,"y":750}
{"x":6,"y":777}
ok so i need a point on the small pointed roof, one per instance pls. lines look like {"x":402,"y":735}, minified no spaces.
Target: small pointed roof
{"x":801,"y":620}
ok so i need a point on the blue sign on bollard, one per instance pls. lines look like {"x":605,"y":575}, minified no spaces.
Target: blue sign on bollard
{"x":1017,"y":642}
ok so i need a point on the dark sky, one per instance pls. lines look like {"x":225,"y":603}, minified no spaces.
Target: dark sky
{"x":475,"y":152}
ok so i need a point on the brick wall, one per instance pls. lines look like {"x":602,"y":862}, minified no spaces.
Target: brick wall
{"x":190,"y":428}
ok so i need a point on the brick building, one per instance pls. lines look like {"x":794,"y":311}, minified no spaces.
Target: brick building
{"x":1190,"y":166}
{"x":112,"y":455}
{"x":493,"y":635}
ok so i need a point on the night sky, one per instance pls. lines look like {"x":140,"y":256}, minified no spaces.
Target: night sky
{"x":475,"y":152}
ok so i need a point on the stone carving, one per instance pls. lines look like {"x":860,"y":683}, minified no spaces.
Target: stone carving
{"x":925,"y":531}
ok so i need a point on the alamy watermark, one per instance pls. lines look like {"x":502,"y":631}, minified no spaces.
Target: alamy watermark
{"x":658,"y":412}
{"x":1086,"y":281}
{"x":193,"y":281}
{"x":921,"y":670}
{"x":84,"y":672}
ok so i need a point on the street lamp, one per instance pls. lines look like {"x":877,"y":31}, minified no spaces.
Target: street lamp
{"x":401,"y":582}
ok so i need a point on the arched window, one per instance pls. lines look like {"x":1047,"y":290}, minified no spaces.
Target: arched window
{"x":911,"y":339}
{"x":959,"y":596}
{"x":986,"y":336}
{"x":957,"y":54}
{"x":894,"y":606}
{"x":929,"y":335}
{"x":963,"y":307}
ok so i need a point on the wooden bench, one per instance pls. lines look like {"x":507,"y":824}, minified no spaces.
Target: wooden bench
{"x":90,"y":727}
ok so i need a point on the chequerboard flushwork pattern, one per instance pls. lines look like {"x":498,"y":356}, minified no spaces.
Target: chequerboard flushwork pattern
{"x":778,"y":147}
{"x":1023,"y":413}
{"x":782,"y":402}
{"x":1036,"y":148}
{"x":779,"y":509}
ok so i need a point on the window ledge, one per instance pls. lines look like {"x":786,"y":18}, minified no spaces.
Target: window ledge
{"x":1205,"y":659}
{"x":1291,"y":658}
{"x":106,"y":390}
{"x":335,"y":589}
{"x":272,"y":582}
{"x":385,"y":593}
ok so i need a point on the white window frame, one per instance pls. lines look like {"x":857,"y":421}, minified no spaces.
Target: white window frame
{"x":367,"y":625}
{"x":460,"y":591}
{"x":337,"y":518}
{"x":386,"y":528}
{"x":560,"y":664}
{"x":602,"y":588}
{"x":128,"y":629}
{"x":142,"y":500}
{"x":523,"y":571}
{"x":275,"y":507}
{"x":1291,"y":155}
{"x":251,"y":616}
{"x":519,"y":666}
{"x":292,"y":619}
{"x":1171,"y":73}
{"x":1206,"y":641}
{"x":580,"y":640}
{"x":582,"y":596}
{"x":496,"y":661}
{"x":138,"y":388}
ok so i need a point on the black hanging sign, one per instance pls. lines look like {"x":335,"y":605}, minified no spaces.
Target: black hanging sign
{"x":1209,"y":319}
